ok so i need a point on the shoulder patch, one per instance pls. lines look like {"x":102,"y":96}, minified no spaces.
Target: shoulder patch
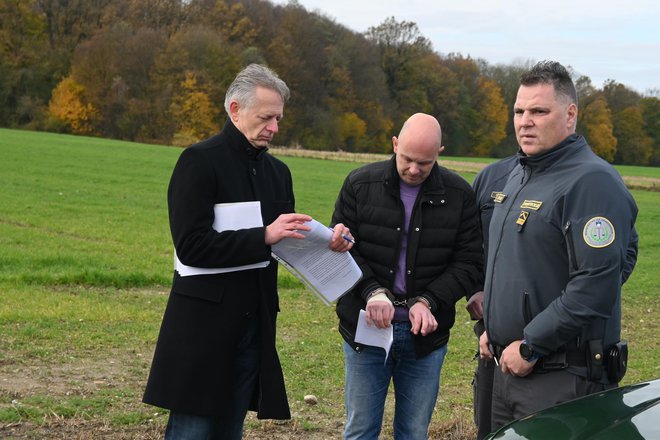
{"x":598,"y":232}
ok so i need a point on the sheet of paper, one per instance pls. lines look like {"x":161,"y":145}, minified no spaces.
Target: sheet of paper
{"x":327,"y":273}
{"x":372,"y":335}
{"x":228,"y":217}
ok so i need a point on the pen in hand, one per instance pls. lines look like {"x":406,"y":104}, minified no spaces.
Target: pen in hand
{"x":345,"y":237}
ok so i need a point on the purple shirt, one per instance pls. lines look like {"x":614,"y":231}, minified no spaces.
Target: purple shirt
{"x":408,"y":196}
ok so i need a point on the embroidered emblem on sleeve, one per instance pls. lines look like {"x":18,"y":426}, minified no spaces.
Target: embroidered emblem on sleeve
{"x":598,"y":232}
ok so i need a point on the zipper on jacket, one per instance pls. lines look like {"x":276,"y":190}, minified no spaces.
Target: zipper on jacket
{"x":508,"y":211}
{"x":570,"y":246}
{"x":527,"y":308}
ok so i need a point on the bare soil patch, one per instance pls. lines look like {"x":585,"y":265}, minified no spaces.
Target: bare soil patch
{"x":87,"y":377}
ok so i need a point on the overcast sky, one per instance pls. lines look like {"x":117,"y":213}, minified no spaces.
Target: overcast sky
{"x":603,"y":39}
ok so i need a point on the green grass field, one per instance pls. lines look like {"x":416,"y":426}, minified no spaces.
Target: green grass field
{"x":85,"y":267}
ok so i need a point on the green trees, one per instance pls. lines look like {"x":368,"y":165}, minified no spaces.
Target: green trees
{"x":402,"y":52}
{"x":635,"y":147}
{"x":157,"y":70}
{"x":650,"y":107}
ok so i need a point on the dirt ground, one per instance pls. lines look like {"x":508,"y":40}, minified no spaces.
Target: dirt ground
{"x":72,"y":429}
{"x":86,"y":377}
{"x":83,"y":378}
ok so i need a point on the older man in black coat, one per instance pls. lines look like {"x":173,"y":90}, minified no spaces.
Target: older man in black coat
{"x":216,"y":357}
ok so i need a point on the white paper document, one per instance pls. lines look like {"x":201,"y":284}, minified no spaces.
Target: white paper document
{"x":327,"y":273}
{"x":228,"y":217}
{"x":372,"y":335}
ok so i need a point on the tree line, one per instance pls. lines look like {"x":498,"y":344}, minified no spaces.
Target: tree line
{"x":156,"y":71}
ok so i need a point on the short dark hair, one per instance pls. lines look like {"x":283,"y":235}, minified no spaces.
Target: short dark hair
{"x":551,"y":72}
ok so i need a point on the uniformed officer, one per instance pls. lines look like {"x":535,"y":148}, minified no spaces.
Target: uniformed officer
{"x":558,"y":240}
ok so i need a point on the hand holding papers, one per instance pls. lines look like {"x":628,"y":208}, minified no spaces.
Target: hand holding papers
{"x":327,"y":273}
{"x":372,"y":335}
{"x":228,"y":217}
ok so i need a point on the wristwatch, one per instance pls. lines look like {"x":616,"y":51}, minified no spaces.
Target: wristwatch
{"x":527,"y":353}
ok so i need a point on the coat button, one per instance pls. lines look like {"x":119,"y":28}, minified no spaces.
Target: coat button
{"x":416,"y":229}
{"x":391,"y":271}
{"x":254,"y":171}
{"x":409,"y":272}
{"x":442,"y":201}
{"x":398,"y":229}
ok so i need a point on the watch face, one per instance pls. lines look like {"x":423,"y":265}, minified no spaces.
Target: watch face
{"x":525,"y":351}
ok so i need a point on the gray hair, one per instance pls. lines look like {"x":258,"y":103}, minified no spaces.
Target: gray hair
{"x":242,"y":89}
{"x":551,"y":72}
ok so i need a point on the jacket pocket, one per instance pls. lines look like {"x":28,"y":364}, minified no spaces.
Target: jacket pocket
{"x":205,"y":287}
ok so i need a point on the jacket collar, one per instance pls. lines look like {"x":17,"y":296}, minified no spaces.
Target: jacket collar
{"x":239,"y":142}
{"x":562,"y":150}
{"x":432,"y":184}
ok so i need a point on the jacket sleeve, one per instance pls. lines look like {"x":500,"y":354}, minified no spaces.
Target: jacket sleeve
{"x":191,"y":198}
{"x":464,"y":274}
{"x":477,"y":186}
{"x":346,"y":212}
{"x":631,"y":256}
{"x":595,"y":266}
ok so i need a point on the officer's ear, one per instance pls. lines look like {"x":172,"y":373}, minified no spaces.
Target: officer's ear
{"x":571,"y":113}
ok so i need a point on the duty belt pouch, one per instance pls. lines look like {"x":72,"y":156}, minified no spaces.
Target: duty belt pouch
{"x":595,"y":360}
{"x":617,"y":361}
{"x":553,"y":362}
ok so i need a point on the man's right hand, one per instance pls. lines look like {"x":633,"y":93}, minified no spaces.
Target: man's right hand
{"x":484,"y":349}
{"x":380,"y":311}
{"x":287,"y":226}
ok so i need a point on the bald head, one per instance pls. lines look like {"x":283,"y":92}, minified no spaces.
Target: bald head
{"x":422,"y":128}
{"x":417,"y":148}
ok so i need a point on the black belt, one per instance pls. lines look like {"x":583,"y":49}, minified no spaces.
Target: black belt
{"x":570,"y":357}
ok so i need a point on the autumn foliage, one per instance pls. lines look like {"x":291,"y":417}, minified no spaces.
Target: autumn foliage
{"x":157,"y":71}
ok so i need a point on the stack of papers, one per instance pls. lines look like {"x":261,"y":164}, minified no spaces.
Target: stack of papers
{"x":328,"y":274}
{"x":228,"y":217}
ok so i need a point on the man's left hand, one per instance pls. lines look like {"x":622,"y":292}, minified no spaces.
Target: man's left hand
{"x":421,"y":319}
{"x":512,"y":363}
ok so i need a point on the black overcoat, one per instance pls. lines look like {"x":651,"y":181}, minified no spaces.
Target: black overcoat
{"x":192,"y":366}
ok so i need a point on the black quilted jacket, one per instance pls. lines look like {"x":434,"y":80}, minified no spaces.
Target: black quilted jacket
{"x":444,"y":261}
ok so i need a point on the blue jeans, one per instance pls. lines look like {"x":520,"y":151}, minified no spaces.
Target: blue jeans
{"x":182,"y":426}
{"x":416,"y":383}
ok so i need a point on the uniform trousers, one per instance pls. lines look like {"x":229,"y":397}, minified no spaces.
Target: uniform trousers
{"x":482,"y":389}
{"x":515,"y":397}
